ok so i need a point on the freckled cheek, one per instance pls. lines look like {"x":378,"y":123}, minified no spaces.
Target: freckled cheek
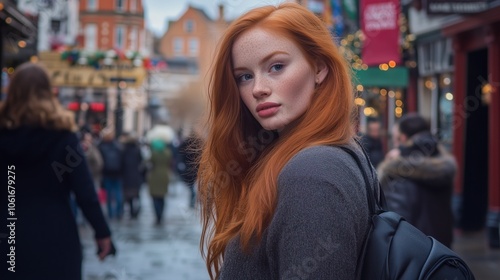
{"x":299,"y":82}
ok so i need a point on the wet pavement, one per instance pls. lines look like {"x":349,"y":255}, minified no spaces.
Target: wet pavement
{"x":171,"y":251}
{"x":474,"y":249}
{"x":148,"y":251}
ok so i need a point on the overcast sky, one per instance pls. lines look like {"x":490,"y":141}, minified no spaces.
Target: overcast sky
{"x":158,"y":12}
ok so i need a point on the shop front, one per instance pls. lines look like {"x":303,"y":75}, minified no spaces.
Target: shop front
{"x":112,"y":96}
{"x":16,"y":33}
{"x":382,"y":95}
{"x":435,"y":85}
{"x":476,"y":119}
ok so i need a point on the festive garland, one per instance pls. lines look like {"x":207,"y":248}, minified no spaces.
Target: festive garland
{"x":100,"y":59}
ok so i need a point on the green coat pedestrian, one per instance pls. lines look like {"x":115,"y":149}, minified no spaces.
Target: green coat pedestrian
{"x":158,"y":177}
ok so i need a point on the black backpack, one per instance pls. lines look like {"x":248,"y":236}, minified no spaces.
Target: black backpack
{"x":112,"y":157}
{"x":394,"y":249}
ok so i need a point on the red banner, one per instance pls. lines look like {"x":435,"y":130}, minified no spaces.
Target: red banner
{"x":379,"y":22}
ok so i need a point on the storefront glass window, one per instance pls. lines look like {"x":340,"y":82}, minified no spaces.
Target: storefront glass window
{"x":445,"y":110}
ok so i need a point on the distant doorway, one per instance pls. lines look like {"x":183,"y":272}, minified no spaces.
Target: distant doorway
{"x":475,"y":187}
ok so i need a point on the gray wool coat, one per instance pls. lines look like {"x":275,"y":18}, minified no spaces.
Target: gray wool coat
{"x":319,"y":226}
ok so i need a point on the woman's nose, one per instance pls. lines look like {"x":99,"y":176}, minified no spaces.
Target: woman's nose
{"x":260,"y":87}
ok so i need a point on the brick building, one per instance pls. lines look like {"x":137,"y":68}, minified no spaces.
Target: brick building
{"x":117,"y":24}
{"x":190,"y":41}
{"x":189,"y":46}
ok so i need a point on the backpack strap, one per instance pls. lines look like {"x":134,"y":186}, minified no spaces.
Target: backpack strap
{"x":373,"y":203}
{"x":382,"y":204}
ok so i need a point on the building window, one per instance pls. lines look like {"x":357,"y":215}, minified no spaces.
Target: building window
{"x":445,"y":110}
{"x":91,"y":37}
{"x":178,"y":46}
{"x":92,"y":5}
{"x":120,"y":5}
{"x":55,"y":26}
{"x":133,"y":6}
{"x":119,"y":37}
{"x":133,"y":38}
{"x":194,"y":46}
{"x":189,"y":26}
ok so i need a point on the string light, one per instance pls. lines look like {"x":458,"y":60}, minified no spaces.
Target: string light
{"x":359,"y":101}
{"x":383,"y":67}
{"x":370,"y":111}
{"x":429,"y":84}
{"x":446,"y":81}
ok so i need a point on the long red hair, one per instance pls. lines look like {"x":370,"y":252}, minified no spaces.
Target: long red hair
{"x":240,"y":161}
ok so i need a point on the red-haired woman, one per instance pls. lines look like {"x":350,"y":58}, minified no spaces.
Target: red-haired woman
{"x":280,"y":199}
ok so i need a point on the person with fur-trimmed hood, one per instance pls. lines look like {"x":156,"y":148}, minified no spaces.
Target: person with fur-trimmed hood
{"x":418,"y":180}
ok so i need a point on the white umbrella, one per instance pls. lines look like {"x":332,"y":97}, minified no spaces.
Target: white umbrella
{"x":161,"y":132}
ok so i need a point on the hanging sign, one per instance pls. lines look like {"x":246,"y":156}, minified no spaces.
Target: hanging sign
{"x":379,"y":22}
{"x":456,"y":6}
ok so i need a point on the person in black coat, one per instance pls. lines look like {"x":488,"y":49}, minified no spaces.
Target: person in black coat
{"x":372,"y":142}
{"x":112,"y":173}
{"x":132,"y":176}
{"x":187,"y":164}
{"x":418,"y":183}
{"x":45,"y":163}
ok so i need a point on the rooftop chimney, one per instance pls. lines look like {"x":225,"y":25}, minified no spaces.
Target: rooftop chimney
{"x":221,"y":12}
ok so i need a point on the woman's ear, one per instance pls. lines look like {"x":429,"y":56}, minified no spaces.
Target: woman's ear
{"x":321,"y":71}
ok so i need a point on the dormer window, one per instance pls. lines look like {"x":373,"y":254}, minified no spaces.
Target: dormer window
{"x":189,"y":26}
{"x":120,"y":5}
{"x":92,"y":5}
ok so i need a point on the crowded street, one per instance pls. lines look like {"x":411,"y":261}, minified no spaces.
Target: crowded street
{"x":250,"y":140}
{"x":146,"y":251}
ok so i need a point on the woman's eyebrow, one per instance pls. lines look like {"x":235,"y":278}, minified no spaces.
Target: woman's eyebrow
{"x":263,"y":60}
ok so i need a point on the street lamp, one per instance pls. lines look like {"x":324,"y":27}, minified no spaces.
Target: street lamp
{"x":120,"y":84}
{"x":119,"y":106}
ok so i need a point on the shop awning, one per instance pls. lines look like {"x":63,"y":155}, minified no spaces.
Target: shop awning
{"x":15,"y":21}
{"x":374,"y":77}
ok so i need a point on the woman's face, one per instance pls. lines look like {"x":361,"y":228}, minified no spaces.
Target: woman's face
{"x":274,"y":78}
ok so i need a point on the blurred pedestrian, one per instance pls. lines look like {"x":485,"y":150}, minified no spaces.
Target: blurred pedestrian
{"x":132,"y":176}
{"x":395,"y":151}
{"x":280,"y":199}
{"x":418,"y":183}
{"x":94,"y":161}
{"x":159,"y":176}
{"x":187,"y":164}
{"x":112,"y":173}
{"x":45,"y":163}
{"x":372,"y":142}
{"x":93,"y":156}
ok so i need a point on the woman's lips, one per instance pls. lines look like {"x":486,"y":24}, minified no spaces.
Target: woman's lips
{"x":267,"y":109}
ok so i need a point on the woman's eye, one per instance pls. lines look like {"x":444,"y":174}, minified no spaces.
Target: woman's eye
{"x":243,"y":78}
{"x":276,"y":67}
